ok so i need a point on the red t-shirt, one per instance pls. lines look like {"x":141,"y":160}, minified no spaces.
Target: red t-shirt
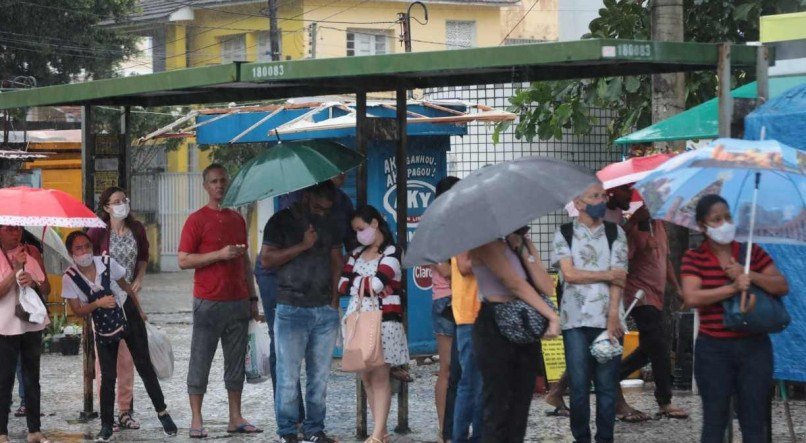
{"x":208,"y":230}
{"x":702,"y":263}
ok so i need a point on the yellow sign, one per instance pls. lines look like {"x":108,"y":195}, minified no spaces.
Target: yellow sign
{"x":554,"y":349}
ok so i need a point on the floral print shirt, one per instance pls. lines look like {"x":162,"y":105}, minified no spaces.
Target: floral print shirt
{"x":587,"y":305}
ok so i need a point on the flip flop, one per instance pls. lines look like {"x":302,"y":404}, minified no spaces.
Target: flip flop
{"x":561,"y":411}
{"x":677,"y":414}
{"x":197,"y":433}
{"x":242,"y":429}
{"x":634,"y":416}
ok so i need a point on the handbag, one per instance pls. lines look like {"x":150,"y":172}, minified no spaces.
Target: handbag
{"x":768,"y":316}
{"x":518,"y":321}
{"x":362,"y":335}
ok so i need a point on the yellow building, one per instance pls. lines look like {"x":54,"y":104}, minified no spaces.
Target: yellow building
{"x":208,"y":32}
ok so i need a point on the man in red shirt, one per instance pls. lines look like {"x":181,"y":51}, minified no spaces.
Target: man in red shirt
{"x":213,"y":243}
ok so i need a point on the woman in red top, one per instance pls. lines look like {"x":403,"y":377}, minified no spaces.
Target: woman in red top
{"x":726,"y":362}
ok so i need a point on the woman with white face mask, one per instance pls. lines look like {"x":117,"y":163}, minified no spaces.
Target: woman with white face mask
{"x":726,"y":361}
{"x":125,"y":240}
{"x":96,"y":288}
{"x":374,"y":267}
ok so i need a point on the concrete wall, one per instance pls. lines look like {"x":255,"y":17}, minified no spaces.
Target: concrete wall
{"x":574,"y":16}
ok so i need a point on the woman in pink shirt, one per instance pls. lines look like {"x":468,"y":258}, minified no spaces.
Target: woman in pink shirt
{"x":19,"y":337}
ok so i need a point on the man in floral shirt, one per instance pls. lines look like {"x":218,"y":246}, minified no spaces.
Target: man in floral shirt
{"x":594,"y":267}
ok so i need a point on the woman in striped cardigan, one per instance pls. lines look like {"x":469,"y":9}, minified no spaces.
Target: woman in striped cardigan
{"x":374,"y":267}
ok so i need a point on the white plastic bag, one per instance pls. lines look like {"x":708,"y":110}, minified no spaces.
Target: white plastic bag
{"x":257,"y":366}
{"x":160,"y":351}
{"x":32,"y":304}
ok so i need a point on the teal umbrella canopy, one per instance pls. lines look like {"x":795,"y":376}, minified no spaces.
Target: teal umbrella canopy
{"x":288,"y":167}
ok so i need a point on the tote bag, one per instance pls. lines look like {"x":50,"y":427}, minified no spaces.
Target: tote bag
{"x":362,"y":335}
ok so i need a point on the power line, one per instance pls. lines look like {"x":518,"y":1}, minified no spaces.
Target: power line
{"x":519,"y":22}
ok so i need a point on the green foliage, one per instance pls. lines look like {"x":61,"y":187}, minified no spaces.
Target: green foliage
{"x":57,"y":40}
{"x":546,"y":109}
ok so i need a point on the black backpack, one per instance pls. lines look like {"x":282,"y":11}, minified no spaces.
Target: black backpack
{"x":109,"y":324}
{"x":567,"y":231}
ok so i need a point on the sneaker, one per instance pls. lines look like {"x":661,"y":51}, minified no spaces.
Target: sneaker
{"x":289,"y":438}
{"x":168,"y":425}
{"x":319,"y":437}
{"x":105,"y":434}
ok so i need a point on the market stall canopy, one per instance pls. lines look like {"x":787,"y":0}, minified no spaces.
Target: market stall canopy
{"x":241,"y":81}
{"x":702,"y":121}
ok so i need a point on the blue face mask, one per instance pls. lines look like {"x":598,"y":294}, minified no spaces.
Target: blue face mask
{"x":596,"y":211}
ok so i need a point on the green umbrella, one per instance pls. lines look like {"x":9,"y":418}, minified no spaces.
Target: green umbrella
{"x":288,"y":167}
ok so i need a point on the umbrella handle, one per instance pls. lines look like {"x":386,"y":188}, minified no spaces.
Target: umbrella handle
{"x":747,"y":302}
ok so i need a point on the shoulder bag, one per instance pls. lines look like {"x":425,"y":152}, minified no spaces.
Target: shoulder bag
{"x":768,"y":316}
{"x":517,"y":320}
{"x":362,"y":334}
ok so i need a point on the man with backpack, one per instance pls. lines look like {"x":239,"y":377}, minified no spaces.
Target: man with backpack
{"x":592,"y":256}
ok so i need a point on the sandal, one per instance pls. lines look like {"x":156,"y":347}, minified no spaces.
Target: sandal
{"x":126,"y":421}
{"x":634,"y":416}
{"x":197,"y":433}
{"x":674,"y":413}
{"x":373,"y":440}
{"x":22,"y":411}
{"x":560,"y":411}
{"x":402,"y":374}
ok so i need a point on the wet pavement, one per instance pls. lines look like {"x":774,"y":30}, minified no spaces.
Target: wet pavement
{"x":167,"y":300}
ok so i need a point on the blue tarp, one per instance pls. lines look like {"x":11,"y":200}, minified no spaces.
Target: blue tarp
{"x":784,"y":119}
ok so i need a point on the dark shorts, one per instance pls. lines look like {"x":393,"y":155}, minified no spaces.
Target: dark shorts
{"x":442,"y":326}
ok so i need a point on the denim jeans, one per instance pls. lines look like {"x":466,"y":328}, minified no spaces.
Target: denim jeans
{"x":581,"y":367}
{"x":303,"y":334}
{"x":468,"y":408}
{"x":509,"y":372}
{"x":267,"y":286}
{"x":734,"y":366}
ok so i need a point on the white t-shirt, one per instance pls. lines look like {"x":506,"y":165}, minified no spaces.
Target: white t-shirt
{"x":116,"y":272}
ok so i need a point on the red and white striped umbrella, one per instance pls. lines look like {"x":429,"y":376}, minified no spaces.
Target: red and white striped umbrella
{"x":24,"y":206}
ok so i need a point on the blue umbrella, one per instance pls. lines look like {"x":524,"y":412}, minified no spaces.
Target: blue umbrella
{"x":763,"y":182}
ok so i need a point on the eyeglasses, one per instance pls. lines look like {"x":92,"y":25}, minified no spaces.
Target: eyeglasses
{"x":118,"y":202}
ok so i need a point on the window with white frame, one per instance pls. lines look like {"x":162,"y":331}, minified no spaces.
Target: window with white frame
{"x":264,"y":46}
{"x":368,"y":42}
{"x":460,"y":34}
{"x":233,"y":48}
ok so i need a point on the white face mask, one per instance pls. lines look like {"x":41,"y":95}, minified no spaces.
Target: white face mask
{"x":120,"y":211}
{"x":723,"y":234}
{"x":83,"y":260}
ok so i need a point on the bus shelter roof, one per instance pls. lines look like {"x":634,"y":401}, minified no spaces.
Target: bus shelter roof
{"x":241,"y":81}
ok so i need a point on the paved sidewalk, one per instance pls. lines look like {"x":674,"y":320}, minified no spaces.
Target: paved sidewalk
{"x":167,"y":300}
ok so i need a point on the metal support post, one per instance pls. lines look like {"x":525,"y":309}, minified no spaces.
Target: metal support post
{"x":88,"y":191}
{"x":361,"y":145}
{"x":125,"y":166}
{"x":361,"y":193}
{"x":725,"y":98}
{"x":402,"y":237}
{"x":762,"y":76}
{"x":274,"y":31}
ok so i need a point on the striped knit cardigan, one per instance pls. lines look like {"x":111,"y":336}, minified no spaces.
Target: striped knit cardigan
{"x":385,"y":283}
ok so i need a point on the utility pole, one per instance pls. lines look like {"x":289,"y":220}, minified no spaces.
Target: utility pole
{"x":405,"y":24}
{"x":274,"y":31}
{"x":312,"y":34}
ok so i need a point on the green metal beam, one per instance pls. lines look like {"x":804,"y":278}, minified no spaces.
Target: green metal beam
{"x":106,"y":91}
{"x":285,"y":79}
